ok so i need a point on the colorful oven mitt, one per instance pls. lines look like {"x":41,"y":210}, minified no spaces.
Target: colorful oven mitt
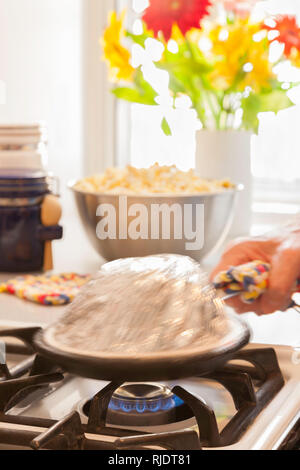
{"x":250,"y":279}
{"x":48,"y":289}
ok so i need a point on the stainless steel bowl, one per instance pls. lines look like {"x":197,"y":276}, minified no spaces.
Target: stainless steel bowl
{"x":219,"y":210}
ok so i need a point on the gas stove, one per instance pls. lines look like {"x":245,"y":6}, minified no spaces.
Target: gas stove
{"x":253,"y":402}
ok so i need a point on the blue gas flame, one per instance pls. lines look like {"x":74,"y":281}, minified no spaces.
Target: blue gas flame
{"x":144,"y":406}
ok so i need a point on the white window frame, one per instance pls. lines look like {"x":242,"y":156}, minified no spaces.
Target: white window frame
{"x":107,"y":121}
{"x":99,"y":108}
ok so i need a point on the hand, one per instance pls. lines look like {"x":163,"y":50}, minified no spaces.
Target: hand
{"x":281,"y":249}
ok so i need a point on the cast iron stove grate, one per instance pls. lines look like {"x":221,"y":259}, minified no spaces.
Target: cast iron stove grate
{"x":251,"y":386}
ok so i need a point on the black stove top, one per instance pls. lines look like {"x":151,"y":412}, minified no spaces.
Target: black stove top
{"x":252,"y":383}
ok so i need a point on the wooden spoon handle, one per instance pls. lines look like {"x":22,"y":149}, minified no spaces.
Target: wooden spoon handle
{"x":48,"y":257}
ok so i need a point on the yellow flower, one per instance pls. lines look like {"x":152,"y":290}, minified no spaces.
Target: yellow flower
{"x":261,"y":74}
{"x":294,"y":57}
{"x":177,"y":34}
{"x":115,"y":54}
{"x":234,"y":46}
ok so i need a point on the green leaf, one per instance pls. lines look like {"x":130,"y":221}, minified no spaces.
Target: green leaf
{"x":188,"y":60}
{"x":144,"y":87}
{"x":275,"y":101}
{"x":132,"y":95}
{"x":165,"y":127}
{"x":176,"y":85}
{"x":188,"y":56}
{"x":141,"y":92}
{"x":138,"y":38}
{"x":185,"y":66}
{"x":251,"y":107}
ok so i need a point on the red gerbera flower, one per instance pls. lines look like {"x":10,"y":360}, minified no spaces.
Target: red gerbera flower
{"x":288,"y":32}
{"x":162,"y":14}
{"x":240,"y":7}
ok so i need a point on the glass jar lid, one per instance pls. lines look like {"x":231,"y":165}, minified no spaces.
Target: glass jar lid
{"x":22,"y":183}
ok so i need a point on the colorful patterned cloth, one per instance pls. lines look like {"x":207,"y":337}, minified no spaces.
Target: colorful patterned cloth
{"x":48,"y":289}
{"x":250,"y":279}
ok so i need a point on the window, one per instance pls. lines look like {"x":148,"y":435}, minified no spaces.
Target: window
{"x":276,"y":158}
{"x":146,"y":143}
{"x":275,"y":162}
{"x":51,"y":70}
{"x":40,"y":74}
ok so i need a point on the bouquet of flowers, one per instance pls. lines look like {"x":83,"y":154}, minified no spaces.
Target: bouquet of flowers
{"x":221,"y":62}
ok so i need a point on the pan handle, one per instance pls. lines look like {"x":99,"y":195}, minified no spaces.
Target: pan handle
{"x":24,"y":334}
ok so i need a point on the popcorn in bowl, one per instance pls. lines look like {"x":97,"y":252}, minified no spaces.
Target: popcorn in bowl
{"x":154,"y":180}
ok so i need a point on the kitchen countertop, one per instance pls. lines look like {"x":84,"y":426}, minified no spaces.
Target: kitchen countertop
{"x":74,"y":254}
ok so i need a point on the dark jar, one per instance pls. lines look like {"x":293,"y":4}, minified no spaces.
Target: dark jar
{"x":22,"y":235}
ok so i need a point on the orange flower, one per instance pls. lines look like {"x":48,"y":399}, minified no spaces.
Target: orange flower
{"x":288,"y":32}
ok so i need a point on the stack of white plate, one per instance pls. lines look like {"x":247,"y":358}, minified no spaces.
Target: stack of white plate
{"x":23,"y":146}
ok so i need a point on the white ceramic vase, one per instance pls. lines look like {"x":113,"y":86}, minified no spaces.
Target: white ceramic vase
{"x":227,"y":154}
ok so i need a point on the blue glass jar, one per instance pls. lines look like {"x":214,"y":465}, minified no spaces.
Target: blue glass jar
{"x":22,"y":235}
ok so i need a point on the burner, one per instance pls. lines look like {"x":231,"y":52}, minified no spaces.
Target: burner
{"x":144,"y":404}
{"x":143,"y":398}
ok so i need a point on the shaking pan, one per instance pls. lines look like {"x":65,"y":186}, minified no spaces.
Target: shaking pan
{"x":167,"y":365}
{"x":145,"y":319}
